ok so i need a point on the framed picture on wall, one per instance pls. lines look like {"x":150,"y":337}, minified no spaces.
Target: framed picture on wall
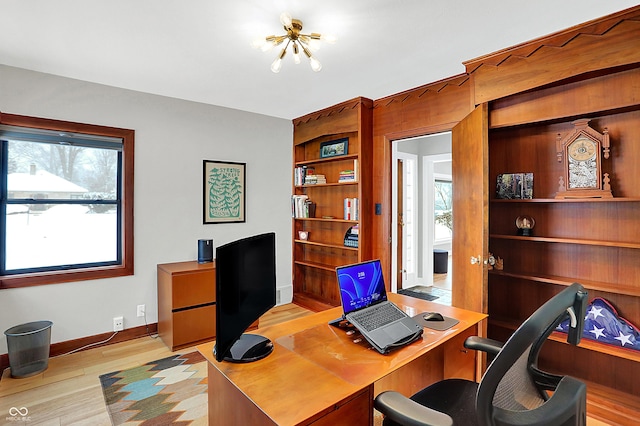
{"x":224,"y":191}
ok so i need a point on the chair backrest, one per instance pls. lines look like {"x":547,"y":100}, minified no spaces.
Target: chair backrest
{"x":512,"y":382}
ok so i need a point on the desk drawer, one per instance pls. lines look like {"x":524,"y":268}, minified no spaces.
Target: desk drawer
{"x":193,"y":288}
{"x":194,"y":325}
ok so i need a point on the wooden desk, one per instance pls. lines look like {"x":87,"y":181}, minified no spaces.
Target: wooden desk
{"x":317,"y":375}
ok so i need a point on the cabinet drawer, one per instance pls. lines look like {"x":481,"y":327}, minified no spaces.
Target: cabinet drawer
{"x":194,"y":325}
{"x":193,"y":288}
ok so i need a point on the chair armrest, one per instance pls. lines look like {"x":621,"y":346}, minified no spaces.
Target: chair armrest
{"x":483,"y":344}
{"x":403,"y":410}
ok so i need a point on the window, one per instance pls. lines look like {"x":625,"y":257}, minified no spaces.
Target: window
{"x":443,"y":205}
{"x":66,"y":201}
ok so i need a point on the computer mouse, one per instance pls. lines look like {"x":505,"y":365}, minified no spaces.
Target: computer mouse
{"x":433,"y":316}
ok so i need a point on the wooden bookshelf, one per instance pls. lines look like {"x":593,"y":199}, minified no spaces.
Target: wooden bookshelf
{"x":315,"y":259}
{"x":593,"y":241}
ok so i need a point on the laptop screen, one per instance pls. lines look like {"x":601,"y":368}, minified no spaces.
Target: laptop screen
{"x":361,"y":285}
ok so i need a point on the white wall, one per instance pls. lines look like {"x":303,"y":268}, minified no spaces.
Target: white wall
{"x":172,"y":138}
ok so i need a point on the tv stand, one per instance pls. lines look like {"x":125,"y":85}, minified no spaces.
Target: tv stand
{"x":249,"y":348}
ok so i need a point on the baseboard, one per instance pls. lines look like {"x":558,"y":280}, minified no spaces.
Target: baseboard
{"x":72,"y":345}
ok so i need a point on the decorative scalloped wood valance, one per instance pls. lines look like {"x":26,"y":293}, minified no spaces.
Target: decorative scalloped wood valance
{"x":607,"y":42}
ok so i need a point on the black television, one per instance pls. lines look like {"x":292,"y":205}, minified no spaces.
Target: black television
{"x":245,"y":289}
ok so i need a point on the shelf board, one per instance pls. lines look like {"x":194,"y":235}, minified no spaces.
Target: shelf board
{"x":326,"y":160}
{"x":602,"y":348}
{"x":322,"y":219}
{"x":578,"y":241}
{"x":336,"y":246}
{"x":607,"y":403}
{"x":568,"y":200}
{"x":311,"y":301}
{"x":567,"y":281}
{"x":316,"y":185}
{"x":315,"y":265}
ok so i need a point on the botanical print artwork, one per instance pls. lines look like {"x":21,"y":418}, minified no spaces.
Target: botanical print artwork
{"x":224,"y":193}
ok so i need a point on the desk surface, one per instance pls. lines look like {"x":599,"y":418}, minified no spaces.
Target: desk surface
{"x":315,"y":366}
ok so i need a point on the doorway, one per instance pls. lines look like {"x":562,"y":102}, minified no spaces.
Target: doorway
{"x":417,"y":163}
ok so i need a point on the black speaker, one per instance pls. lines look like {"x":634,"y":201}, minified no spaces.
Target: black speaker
{"x":205,"y":251}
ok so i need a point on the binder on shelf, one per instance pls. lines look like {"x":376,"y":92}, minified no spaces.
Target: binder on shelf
{"x":350,"y":209}
{"x":351,"y":237}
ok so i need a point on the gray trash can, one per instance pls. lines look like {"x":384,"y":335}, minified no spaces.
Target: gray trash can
{"x":28,"y":345}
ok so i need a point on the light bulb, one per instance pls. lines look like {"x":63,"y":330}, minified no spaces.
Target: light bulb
{"x":314,"y":44}
{"x":276,"y":66}
{"x":268,"y":43}
{"x":315,"y":64}
{"x":329,"y":38}
{"x":296,"y":53}
{"x":258,"y":43}
{"x":285,"y":19}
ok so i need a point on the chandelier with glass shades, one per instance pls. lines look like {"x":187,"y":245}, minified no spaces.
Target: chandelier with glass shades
{"x":298,"y":41}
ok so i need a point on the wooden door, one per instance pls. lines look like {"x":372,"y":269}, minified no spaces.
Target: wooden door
{"x":400,"y":225}
{"x":470,"y":169}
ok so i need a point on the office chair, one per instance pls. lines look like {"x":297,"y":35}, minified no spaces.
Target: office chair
{"x":513,"y":391}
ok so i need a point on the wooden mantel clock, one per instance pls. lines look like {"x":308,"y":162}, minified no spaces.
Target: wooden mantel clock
{"x":581,"y":151}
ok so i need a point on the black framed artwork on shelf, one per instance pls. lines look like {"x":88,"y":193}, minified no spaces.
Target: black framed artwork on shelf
{"x":335,"y":148}
{"x":224,"y":192}
{"x":514,"y":186}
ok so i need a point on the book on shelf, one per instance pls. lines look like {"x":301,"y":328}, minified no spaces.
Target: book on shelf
{"x":355,"y":169}
{"x":314,"y":179}
{"x":350,"y":209}
{"x":302,"y":207}
{"x":300,"y":174}
{"x":347,"y":176}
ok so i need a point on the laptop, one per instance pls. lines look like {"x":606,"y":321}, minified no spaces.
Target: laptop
{"x":365,"y":305}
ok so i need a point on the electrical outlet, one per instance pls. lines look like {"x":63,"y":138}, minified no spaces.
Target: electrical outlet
{"x":118,"y":323}
{"x":140,"y":310}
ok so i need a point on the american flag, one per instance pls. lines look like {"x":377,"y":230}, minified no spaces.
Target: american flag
{"x":603,"y":324}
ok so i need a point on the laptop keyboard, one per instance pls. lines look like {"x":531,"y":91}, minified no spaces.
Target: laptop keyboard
{"x":377,"y":316}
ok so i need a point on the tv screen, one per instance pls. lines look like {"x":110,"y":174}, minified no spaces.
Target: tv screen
{"x":245,"y":290}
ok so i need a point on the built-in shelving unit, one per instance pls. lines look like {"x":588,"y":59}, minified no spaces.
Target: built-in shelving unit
{"x":315,"y":258}
{"x":593,"y":241}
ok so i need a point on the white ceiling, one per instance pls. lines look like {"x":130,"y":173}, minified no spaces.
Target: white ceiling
{"x":200,"y":50}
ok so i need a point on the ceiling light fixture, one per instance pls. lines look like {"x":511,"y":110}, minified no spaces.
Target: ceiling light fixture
{"x":298,"y":42}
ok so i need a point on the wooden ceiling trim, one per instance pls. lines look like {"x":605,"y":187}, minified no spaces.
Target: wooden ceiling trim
{"x":596,"y":27}
{"x":341,"y":116}
{"x":420,"y":92}
{"x":509,"y":73}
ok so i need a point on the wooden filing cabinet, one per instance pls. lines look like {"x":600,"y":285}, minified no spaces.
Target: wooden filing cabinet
{"x":186,"y":303}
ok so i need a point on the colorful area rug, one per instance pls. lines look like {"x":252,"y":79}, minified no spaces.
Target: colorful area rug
{"x":170,"y":391}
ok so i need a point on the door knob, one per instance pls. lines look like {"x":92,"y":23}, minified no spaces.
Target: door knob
{"x":476,"y":260}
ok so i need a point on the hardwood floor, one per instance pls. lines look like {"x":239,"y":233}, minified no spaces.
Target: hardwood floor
{"x":69,"y":392}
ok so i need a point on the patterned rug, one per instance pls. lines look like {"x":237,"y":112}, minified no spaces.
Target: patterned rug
{"x":170,"y":391}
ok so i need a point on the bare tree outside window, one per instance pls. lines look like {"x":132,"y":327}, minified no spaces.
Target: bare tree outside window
{"x":443,"y":204}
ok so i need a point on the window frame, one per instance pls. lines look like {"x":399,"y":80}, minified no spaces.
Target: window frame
{"x":98,"y":272}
